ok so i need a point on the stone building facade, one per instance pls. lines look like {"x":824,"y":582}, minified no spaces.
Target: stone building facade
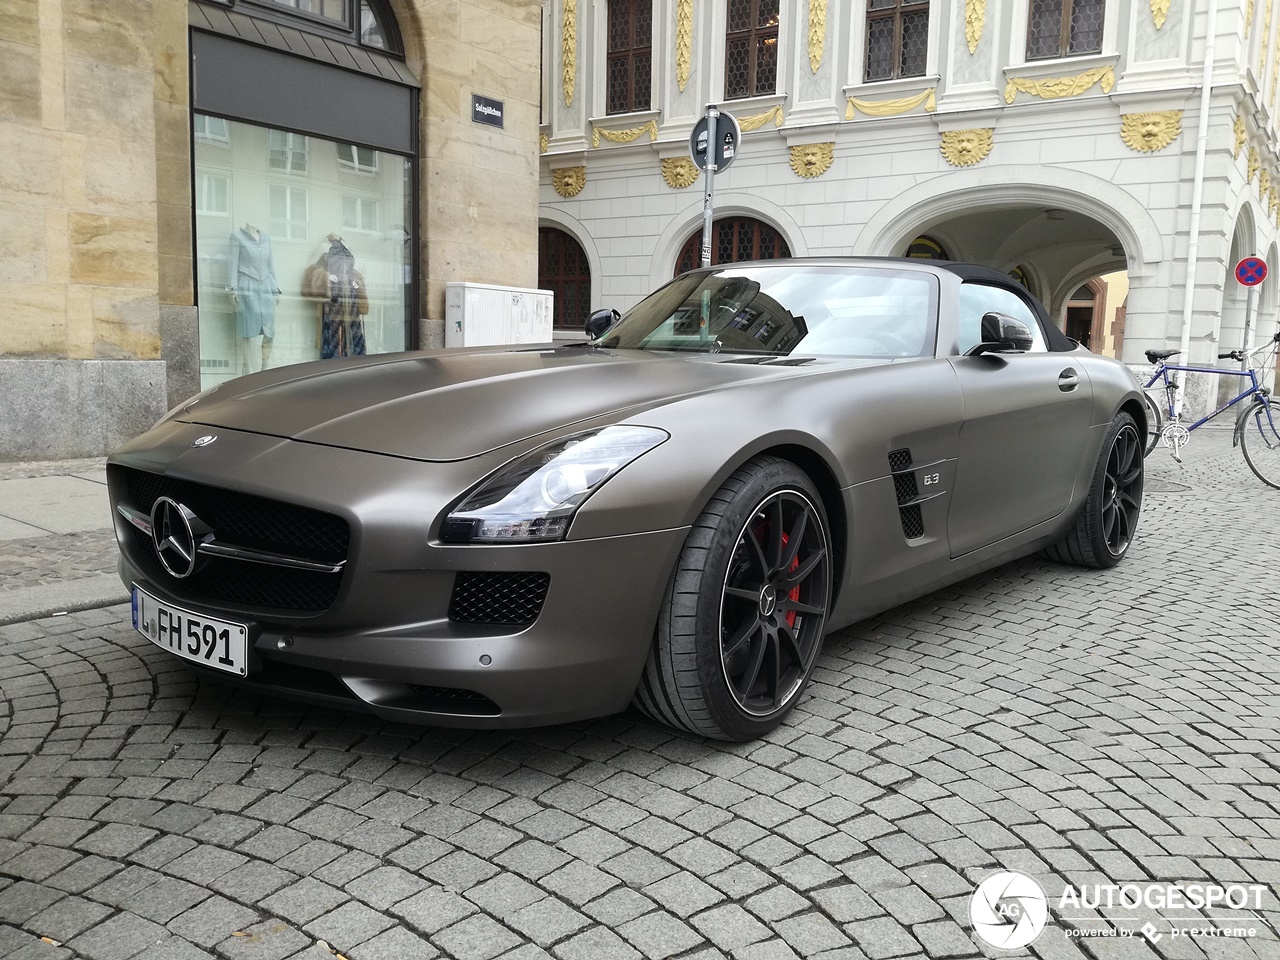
{"x":1057,"y":140}
{"x":141,"y":136}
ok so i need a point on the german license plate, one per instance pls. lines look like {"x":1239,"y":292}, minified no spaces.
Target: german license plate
{"x":208,"y":641}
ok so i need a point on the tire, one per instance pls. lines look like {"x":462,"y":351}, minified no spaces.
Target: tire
{"x":1260,"y":441}
{"x":1155,"y":423}
{"x":745,"y":610}
{"x":1105,"y":526}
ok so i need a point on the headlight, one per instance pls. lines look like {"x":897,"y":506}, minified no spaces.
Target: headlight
{"x":534,"y":497}
{"x":185,"y":405}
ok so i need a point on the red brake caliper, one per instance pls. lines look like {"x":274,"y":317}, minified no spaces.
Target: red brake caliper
{"x":794,"y":593}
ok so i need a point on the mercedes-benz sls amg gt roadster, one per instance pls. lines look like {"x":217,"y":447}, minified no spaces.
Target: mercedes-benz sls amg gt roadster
{"x":671,"y":513}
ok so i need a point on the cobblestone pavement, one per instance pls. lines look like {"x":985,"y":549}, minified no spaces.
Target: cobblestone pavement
{"x":1081,"y":727}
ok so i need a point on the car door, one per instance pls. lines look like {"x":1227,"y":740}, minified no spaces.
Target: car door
{"x":1026,"y":419}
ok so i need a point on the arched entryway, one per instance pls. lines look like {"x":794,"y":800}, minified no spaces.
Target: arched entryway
{"x":564,"y":270}
{"x":733,"y":240}
{"x":1086,"y":312}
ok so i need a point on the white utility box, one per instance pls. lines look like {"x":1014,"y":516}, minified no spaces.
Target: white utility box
{"x":482,"y":315}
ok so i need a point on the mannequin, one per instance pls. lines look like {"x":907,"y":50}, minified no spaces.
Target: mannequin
{"x":334,"y":281}
{"x":251,"y":283}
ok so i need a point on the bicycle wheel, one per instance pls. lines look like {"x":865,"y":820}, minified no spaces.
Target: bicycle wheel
{"x":1260,"y":441}
{"x":1155,"y":423}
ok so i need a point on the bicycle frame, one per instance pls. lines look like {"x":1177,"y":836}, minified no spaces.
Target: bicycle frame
{"x":1163,"y":374}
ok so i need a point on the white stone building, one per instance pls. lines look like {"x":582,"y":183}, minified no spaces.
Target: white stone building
{"x":1058,"y":140}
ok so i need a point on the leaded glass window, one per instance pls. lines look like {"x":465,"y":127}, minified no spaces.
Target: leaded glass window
{"x":1064,"y":28}
{"x":751,"y":49}
{"x":564,"y":270}
{"x":733,"y":240}
{"x":897,"y":39}
{"x":630,"y":57}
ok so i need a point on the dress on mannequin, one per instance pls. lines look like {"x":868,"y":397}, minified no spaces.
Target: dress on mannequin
{"x":334,"y":281}
{"x":251,"y":279}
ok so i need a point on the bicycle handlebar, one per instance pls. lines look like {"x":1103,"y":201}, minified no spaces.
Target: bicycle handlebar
{"x":1233,"y":355}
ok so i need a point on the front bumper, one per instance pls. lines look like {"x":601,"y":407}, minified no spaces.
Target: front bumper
{"x":391,"y":642}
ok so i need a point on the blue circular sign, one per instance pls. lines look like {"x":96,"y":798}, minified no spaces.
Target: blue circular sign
{"x":1251,"y":271}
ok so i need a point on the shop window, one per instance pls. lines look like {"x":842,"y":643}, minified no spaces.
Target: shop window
{"x":630,"y":57}
{"x":357,"y":159}
{"x":210,"y":130}
{"x":213,"y":195}
{"x":733,"y":240}
{"x":360,"y":213}
{"x":288,"y":210}
{"x":897,"y":38}
{"x":751,"y":49}
{"x":564,"y":270}
{"x":1064,"y":28}
{"x":287,"y":152}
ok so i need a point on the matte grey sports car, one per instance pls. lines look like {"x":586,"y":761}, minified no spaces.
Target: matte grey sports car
{"x":671,"y":514}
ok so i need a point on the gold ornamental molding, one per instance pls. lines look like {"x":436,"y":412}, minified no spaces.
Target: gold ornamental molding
{"x":1264,"y":184}
{"x":755,"y":122}
{"x":1248,"y":19}
{"x":1272,"y":199}
{"x":1149,"y":132}
{"x":817,"y":32}
{"x":684,"y":42}
{"x":625,"y":136}
{"x":1254,"y":163}
{"x":543,"y":143}
{"x":1054,"y":88}
{"x":1266,"y":34}
{"x":569,"y":50}
{"x":569,"y":181}
{"x":1238,"y":130}
{"x":1159,"y":12}
{"x":680,"y":172}
{"x":811,"y":160}
{"x":891,"y":108}
{"x":975,"y":15}
{"x":964,"y":148}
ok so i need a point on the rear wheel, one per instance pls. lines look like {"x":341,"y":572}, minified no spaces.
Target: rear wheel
{"x":1155,"y":423}
{"x":1105,"y":526}
{"x":1260,"y":441}
{"x":745,"y":611}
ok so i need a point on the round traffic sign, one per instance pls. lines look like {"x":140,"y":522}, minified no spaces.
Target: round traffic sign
{"x":727,"y":132}
{"x":1251,"y":271}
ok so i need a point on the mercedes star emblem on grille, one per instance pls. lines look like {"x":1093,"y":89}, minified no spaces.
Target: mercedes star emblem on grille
{"x":176,"y":533}
{"x":205,"y":440}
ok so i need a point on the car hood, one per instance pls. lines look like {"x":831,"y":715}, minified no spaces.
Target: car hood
{"x":452,"y":406}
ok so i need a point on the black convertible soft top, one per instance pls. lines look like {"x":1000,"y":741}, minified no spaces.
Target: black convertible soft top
{"x":1055,"y":338}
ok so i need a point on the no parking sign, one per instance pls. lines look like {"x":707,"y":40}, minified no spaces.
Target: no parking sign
{"x":1251,"y":271}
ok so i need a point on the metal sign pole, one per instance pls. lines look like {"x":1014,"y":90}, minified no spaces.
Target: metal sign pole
{"x":713,"y":154}
{"x":1248,"y":326}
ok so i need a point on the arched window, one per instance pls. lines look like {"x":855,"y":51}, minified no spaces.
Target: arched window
{"x":1020,"y":274}
{"x":563,"y":269}
{"x":367,"y":22}
{"x":927,"y":248}
{"x":733,"y":240}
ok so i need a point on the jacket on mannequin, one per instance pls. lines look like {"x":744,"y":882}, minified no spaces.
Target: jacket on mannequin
{"x":251,"y":280}
{"x":335,"y":282}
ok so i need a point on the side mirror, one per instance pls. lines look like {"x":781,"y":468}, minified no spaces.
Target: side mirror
{"x":600,"y":321}
{"x":1002,"y":334}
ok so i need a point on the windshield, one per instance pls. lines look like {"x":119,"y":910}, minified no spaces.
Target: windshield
{"x":780,"y":310}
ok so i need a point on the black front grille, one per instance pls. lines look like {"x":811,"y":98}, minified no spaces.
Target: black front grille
{"x":242,"y":520}
{"x":506,"y":598}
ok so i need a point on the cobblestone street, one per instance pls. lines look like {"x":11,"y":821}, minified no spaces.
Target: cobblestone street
{"x":1078,"y":726}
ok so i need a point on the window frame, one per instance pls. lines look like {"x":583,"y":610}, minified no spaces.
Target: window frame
{"x":755,"y":35}
{"x":351,"y":31}
{"x":629,"y":55}
{"x":290,"y":221}
{"x":896,"y":12}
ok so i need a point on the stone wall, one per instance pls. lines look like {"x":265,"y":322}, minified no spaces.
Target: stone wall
{"x":91,"y":95}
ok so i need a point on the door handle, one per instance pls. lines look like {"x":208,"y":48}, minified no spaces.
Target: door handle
{"x":1068,"y":380}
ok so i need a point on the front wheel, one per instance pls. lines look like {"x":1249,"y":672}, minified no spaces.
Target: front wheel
{"x":1260,"y":441}
{"x":745,"y":609}
{"x":1105,"y":526}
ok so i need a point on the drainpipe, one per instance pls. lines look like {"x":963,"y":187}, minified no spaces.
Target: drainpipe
{"x":1197,"y":194}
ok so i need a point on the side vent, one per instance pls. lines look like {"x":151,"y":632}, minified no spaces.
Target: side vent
{"x":904,"y":486}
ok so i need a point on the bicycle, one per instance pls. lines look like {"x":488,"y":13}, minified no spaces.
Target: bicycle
{"x":1257,"y":429}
